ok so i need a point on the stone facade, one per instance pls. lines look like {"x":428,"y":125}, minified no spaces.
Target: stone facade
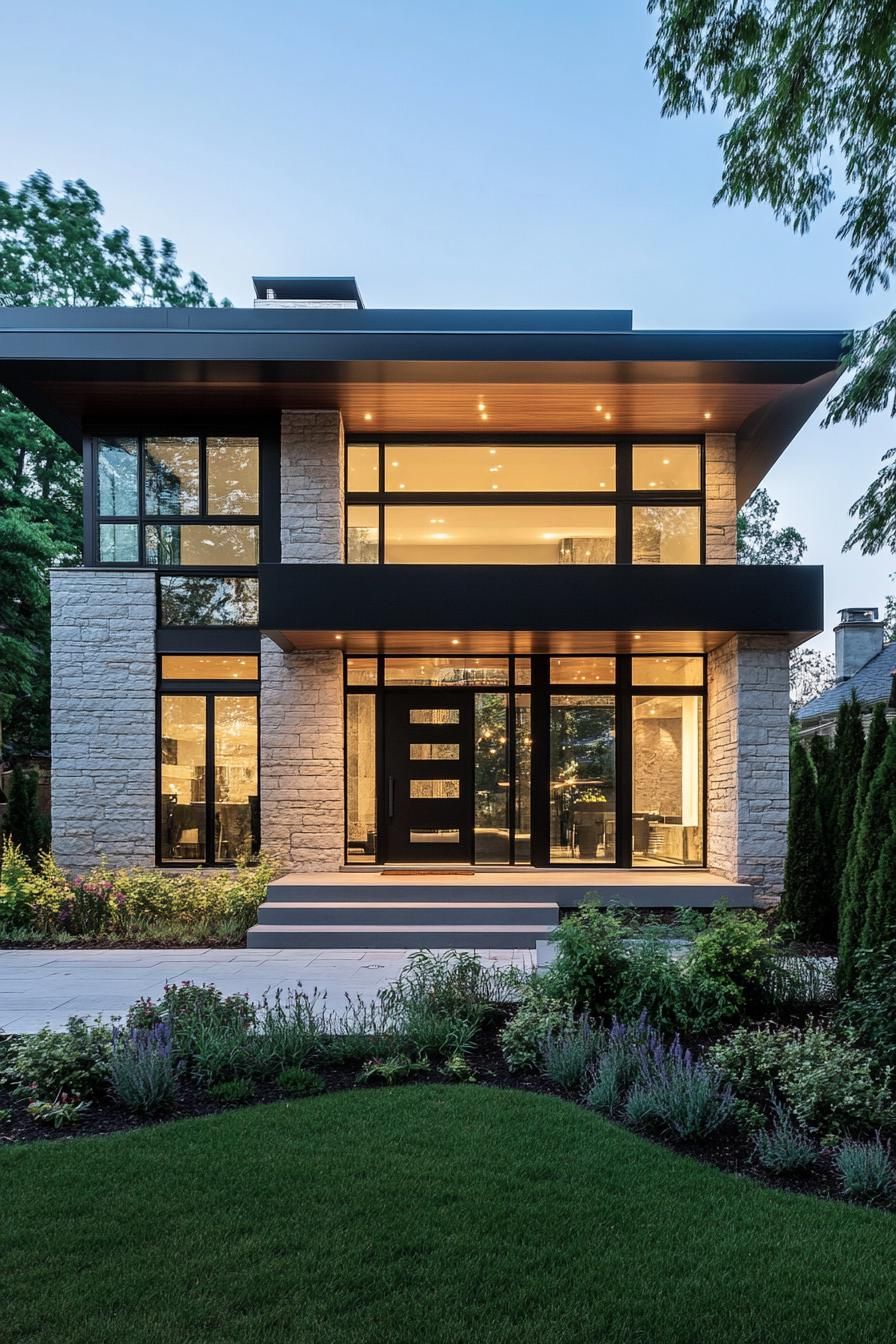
{"x":721,"y":499}
{"x":103,"y":708}
{"x":301,"y":709}
{"x":747,"y":760}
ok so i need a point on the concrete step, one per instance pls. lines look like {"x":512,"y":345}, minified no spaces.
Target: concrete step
{"x":399,"y":936}
{"x":442,"y":913}
{"x":674,"y":889}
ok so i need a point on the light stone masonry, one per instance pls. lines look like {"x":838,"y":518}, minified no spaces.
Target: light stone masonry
{"x":721,"y":499}
{"x":747,"y":765}
{"x":103,"y":716}
{"x":301,"y":702}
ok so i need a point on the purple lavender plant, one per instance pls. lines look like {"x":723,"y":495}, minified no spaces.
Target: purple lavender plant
{"x":143,"y":1071}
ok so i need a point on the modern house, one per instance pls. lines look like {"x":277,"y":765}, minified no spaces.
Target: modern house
{"x":864,"y":665}
{"x":441,"y":608}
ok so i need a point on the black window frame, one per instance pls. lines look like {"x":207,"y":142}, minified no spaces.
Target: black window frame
{"x":250,"y":687}
{"x":623,"y":499}
{"x":540,"y":688}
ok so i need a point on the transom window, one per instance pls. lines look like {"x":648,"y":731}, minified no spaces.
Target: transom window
{"x":524,"y":503}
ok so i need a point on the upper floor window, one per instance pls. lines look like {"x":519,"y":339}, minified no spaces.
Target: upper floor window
{"x":524,"y":503}
{"x":209,"y":482}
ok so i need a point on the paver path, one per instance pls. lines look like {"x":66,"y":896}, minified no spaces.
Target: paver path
{"x":46,"y":987}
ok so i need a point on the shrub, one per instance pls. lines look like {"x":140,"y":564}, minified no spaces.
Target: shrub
{"x":52,"y":1062}
{"x":439,"y":1001}
{"x":194,"y":1013}
{"x":232,"y":1092}
{"x":795,"y":984}
{"x":875,"y":829}
{"x":142,"y":1069}
{"x":537,"y":1013}
{"x":831,"y":1085}
{"x":16,"y":881}
{"x":591,"y":962}
{"x":855,"y":881}
{"x":783,"y":1146}
{"x":871,"y":1010}
{"x":66,"y":1109}
{"x":618,"y":1064}
{"x":458,"y":1068}
{"x":300,"y":1082}
{"x":678,"y":1094}
{"x":865,"y":1170}
{"x":652,"y":982}
{"x":806,"y":873}
{"x":568,"y":1052}
{"x":288,"y":1030}
{"x":392,"y":1069}
{"x":24,"y":823}
{"x":728,"y":967}
{"x":363,"y":1030}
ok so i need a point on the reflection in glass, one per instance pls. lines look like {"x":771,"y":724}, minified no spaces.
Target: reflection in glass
{"x":118,"y":477}
{"x":201,"y":544}
{"x":666,"y":466}
{"x":363,"y":534}
{"x":665,"y":534}
{"x":119,"y":544}
{"x":434,"y":789}
{"x":583,"y":778}
{"x":522,"y":671}
{"x":236,"y":777}
{"x":209,"y":667}
{"x":523,"y":807}
{"x":670,"y":670}
{"x":480,"y":468}
{"x":491,"y":782}
{"x":510,"y":534}
{"x":587,"y":670}
{"x":360,"y":671}
{"x":360,"y":772}
{"x":231,"y":475}
{"x":206,"y":599}
{"x":183,"y":781}
{"x":434,"y":751}
{"x":434,"y":716}
{"x":667,"y":780}
{"x":363,"y":467}
{"x":171,"y":475}
{"x":446,"y":671}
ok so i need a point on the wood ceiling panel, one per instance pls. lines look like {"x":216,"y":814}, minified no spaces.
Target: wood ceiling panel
{"x":506,"y":641}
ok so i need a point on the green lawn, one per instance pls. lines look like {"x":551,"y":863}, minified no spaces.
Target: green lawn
{"x":422,"y":1214}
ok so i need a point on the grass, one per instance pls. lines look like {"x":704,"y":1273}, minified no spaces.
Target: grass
{"x":429,"y":1212}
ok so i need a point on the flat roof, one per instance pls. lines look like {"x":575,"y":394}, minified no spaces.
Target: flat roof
{"x":393,"y":371}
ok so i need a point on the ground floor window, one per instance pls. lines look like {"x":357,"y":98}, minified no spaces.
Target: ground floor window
{"x":580,"y":760}
{"x":208,"y":762}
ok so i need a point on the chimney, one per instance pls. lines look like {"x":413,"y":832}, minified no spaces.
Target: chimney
{"x":858,"y":637}
{"x":306,"y":291}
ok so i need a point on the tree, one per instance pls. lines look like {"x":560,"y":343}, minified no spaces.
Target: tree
{"x":808,"y":89}
{"x":854,"y":884}
{"x":53,"y":250}
{"x":876,"y":828}
{"x":849,"y":750}
{"x":24,"y":823}
{"x":804,"y":868}
{"x":759,"y":541}
{"x":824,"y":763}
{"x":811,"y":672}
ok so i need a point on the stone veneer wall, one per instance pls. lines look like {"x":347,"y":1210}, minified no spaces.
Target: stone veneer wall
{"x":747,"y":765}
{"x":301,"y":703}
{"x":721,"y":499}
{"x":103,"y":716}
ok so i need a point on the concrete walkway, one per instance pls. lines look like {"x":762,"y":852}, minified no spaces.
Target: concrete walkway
{"x":47,"y":987}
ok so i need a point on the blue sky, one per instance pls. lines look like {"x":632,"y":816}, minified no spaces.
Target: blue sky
{"x":504,"y":153}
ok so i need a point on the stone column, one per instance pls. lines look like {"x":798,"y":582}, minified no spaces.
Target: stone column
{"x":721,"y":499}
{"x":301,"y":704}
{"x":747,"y":760}
{"x":103,"y":716}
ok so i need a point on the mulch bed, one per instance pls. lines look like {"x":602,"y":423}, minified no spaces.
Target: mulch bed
{"x":729,"y":1151}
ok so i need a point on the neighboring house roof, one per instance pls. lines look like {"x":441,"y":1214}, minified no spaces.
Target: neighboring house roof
{"x":872,"y":683}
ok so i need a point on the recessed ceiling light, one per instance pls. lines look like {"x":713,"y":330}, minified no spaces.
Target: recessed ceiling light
{"x":665,"y":461}
{"x":394,"y":464}
{"x":481,"y":406}
{"x":493,"y":452}
{"x":338,"y":636}
{"x":637,"y":636}
{"x":368,"y":415}
{"x":484,"y":415}
{"x":650,"y":484}
{"x":707,"y":415}
{"x":455,"y":641}
{"x":607,"y":415}
{"x":599,"y":406}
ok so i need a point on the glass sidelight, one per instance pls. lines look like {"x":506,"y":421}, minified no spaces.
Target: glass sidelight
{"x":667,"y":780}
{"x":583,"y":778}
{"x":491,"y":801}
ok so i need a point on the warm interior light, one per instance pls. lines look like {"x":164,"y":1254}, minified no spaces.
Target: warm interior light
{"x":493,"y":452}
{"x":394,"y":464}
{"x":665,"y":461}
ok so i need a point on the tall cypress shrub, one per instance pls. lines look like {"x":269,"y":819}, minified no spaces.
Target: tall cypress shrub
{"x":24,"y":823}
{"x":849,"y":750}
{"x":853,"y":885}
{"x":827,"y":791}
{"x":873,"y":847}
{"x":804,"y":868}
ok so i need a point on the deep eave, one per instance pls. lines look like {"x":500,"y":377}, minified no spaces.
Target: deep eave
{"x":420,"y":371}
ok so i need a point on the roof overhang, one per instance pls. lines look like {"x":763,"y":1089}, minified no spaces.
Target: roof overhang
{"x":492,"y":609}
{"x":409,"y":371}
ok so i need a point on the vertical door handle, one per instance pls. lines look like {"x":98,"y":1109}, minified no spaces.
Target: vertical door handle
{"x":391,"y":805}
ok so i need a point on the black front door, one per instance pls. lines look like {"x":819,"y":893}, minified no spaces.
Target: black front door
{"x":429,"y":776}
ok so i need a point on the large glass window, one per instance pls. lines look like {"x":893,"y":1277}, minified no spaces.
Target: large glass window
{"x":668,"y":670}
{"x":665,"y":534}
{"x":666,"y":466}
{"x":119,"y":543}
{"x":208,"y":777}
{"x":363,"y":539}
{"x":201,"y":544}
{"x":510,"y":534}
{"x":667,"y":780}
{"x":590,"y":671}
{"x":511,"y":468}
{"x":118,"y":477}
{"x":583,"y":778}
{"x":363,"y":475}
{"x":232,"y":476}
{"x":209,"y":667}
{"x":171,"y":475}
{"x":360,"y":778}
{"x":208,"y":599}
{"x":446,"y":671}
